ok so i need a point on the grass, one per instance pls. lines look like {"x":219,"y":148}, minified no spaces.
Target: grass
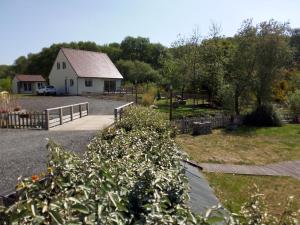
{"x":187,"y":110}
{"x":234,"y":190}
{"x":245,"y":146}
{"x":249,"y":145}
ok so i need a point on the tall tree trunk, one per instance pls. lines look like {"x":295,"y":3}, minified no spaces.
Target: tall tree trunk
{"x":236,"y":103}
{"x":259,"y":101}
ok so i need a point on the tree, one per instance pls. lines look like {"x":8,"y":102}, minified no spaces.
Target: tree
{"x":5,"y":84}
{"x":215,"y":54}
{"x":273,"y":54}
{"x":113,"y":50}
{"x":295,"y":42}
{"x":187,"y":51}
{"x":137,"y":70}
{"x":241,"y":66}
{"x":141,"y":49}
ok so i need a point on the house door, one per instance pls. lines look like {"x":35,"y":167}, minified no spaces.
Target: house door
{"x":66,"y":86}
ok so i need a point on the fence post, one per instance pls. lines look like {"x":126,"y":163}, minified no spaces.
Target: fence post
{"x":61,"y":116}
{"x":80,"y":111}
{"x":71,"y":112}
{"x":87,"y":108}
{"x":47,"y":119}
{"x":116,"y":115}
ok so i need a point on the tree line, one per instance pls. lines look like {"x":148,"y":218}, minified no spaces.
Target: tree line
{"x":258,"y":64}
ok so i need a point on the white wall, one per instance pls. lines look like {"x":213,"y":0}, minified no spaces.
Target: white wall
{"x":98,"y":85}
{"x":57,"y":77}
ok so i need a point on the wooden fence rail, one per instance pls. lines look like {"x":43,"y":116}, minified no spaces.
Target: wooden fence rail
{"x":44,"y":120}
{"x":119,"y":111}
{"x":186,"y":125}
{"x":22,"y":120}
{"x":60,"y":115}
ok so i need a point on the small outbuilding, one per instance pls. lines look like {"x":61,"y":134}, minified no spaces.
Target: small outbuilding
{"x":77,"y":72}
{"x":27,"y":84}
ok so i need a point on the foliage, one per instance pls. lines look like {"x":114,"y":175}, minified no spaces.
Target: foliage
{"x":294,"y":101}
{"x":273,"y":53}
{"x":130,"y":174}
{"x":186,"y":62}
{"x":295,"y":42}
{"x":215,"y":53}
{"x":141,"y":49}
{"x":255,"y":198}
{"x":240,"y":69}
{"x":255,"y":211}
{"x":226,"y":94}
{"x":5,"y":84}
{"x":263,"y":116}
{"x":280,"y":90}
{"x":149,"y":97}
{"x":137,"y":71}
{"x":5,"y":71}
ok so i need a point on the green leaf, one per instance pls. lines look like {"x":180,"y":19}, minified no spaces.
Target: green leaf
{"x":56,"y":217}
{"x":81,"y":208}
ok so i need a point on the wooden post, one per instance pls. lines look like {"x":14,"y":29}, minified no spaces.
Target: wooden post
{"x":136,"y":98}
{"x":61,"y":116}
{"x":80,"y":111}
{"x":171,"y":96}
{"x":116,"y":115}
{"x":47,"y":119}
{"x":87,"y":108}
{"x":71,"y":112}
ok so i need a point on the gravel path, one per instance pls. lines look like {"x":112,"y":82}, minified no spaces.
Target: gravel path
{"x":40,"y":103}
{"x":23,"y":152}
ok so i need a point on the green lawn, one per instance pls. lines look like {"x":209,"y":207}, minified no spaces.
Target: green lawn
{"x":185,"y":110}
{"x":234,"y":190}
{"x":245,"y":146}
{"x":248,"y":145}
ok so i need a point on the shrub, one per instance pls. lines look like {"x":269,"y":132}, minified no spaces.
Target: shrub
{"x":263,"y":116}
{"x":294,"y":101}
{"x":149,"y":97}
{"x":127,"y":176}
{"x":140,"y":117}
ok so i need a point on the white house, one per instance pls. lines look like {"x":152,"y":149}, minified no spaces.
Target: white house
{"x":77,"y":72}
{"x":27,"y":84}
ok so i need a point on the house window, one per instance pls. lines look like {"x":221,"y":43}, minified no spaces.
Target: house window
{"x":58,"y":65}
{"x":88,"y":83}
{"x":27,"y":86}
{"x":110,"y":85}
{"x":64,"y":66}
{"x":40,"y":85}
{"x":71,"y":82}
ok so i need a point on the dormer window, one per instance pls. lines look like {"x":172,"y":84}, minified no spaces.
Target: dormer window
{"x":58,"y":65}
{"x":64,"y":65}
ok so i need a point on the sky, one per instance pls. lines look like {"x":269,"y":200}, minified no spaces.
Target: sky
{"x":29,"y":25}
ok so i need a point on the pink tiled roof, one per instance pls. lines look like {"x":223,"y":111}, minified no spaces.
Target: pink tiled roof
{"x":91,"y":64}
{"x":30,"y":78}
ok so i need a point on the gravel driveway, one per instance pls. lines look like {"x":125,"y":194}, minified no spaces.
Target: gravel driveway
{"x":40,"y":103}
{"x":23,"y":152}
